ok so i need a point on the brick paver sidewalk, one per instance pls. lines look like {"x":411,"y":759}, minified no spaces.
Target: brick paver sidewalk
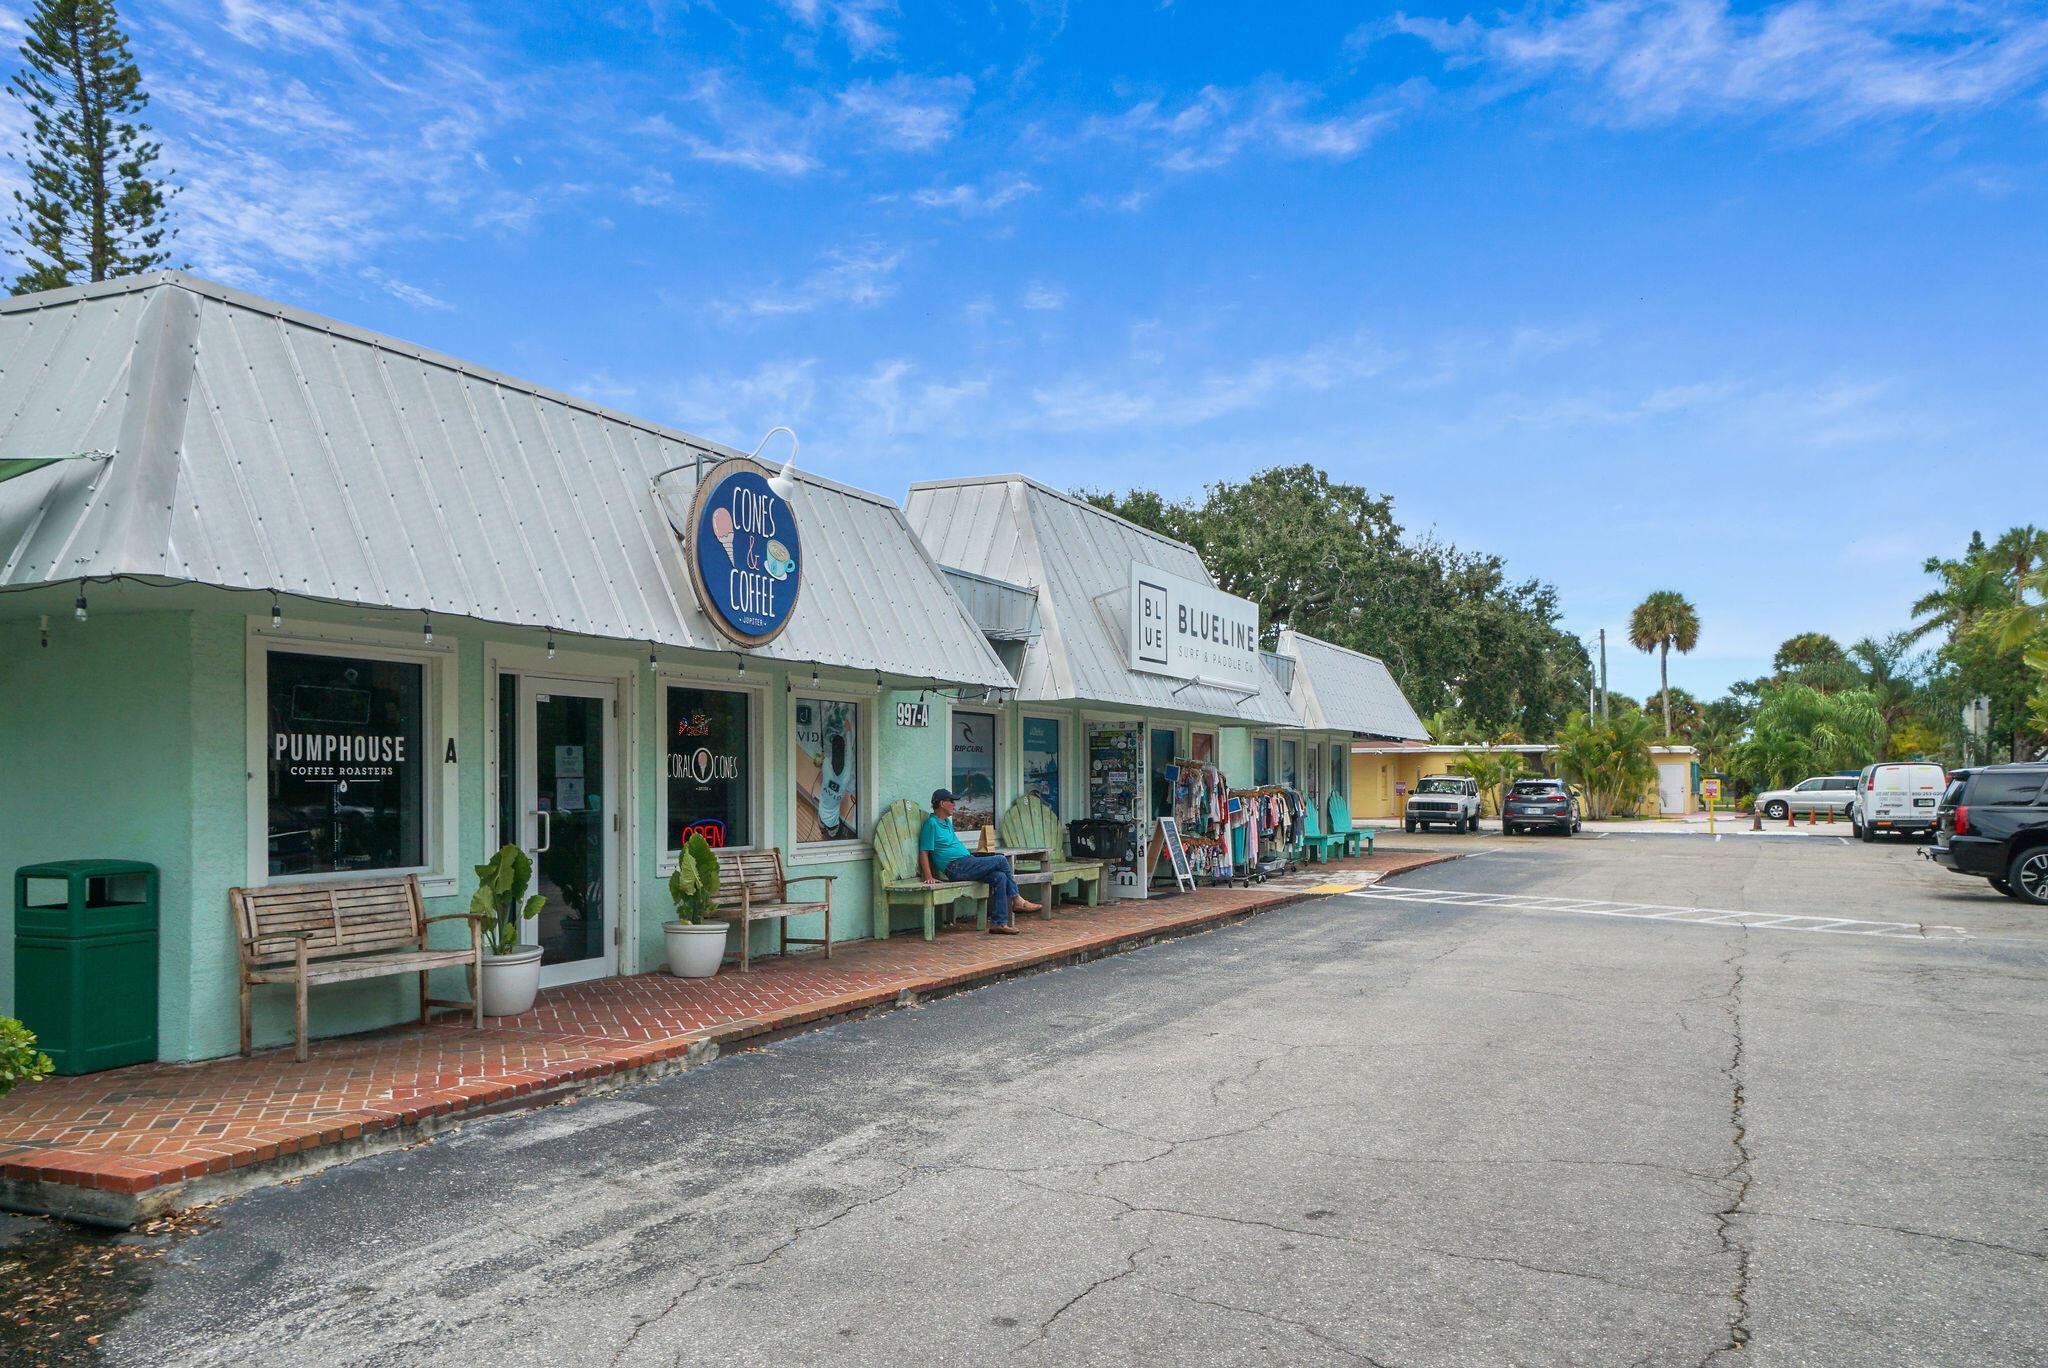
{"x":121,"y":1145}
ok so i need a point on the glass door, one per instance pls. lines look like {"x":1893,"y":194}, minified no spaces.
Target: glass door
{"x":568,"y":767}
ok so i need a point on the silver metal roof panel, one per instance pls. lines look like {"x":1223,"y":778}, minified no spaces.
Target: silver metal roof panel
{"x":1337,"y":689}
{"x":1078,"y":558}
{"x":1006,"y":612}
{"x":256,"y":446}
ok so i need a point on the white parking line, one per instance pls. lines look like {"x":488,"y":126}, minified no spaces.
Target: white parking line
{"x":1689,"y":916}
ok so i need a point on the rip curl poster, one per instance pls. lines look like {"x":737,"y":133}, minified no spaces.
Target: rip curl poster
{"x":746,"y":559}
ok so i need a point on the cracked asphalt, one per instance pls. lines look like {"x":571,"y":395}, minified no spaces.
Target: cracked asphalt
{"x":1345,"y":1132}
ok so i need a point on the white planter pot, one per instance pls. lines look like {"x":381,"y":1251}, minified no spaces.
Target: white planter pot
{"x":695,"y":951}
{"x":511,"y":981}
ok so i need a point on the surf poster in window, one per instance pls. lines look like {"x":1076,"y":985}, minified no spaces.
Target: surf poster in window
{"x":827,"y":764}
{"x":1042,"y":760}
{"x":974,"y":770}
{"x":710,"y":750}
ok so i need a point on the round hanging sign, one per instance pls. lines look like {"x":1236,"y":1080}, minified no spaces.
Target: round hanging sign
{"x":746,"y":562}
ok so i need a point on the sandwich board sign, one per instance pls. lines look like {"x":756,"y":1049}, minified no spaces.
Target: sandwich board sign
{"x":1183,"y":872}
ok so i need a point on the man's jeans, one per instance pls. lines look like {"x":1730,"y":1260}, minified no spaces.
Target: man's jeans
{"x":993,"y":870}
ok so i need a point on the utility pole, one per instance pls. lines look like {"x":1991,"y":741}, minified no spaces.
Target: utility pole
{"x":1603,"y":674}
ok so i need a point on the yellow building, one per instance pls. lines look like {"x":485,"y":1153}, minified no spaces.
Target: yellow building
{"x":1384,"y":773}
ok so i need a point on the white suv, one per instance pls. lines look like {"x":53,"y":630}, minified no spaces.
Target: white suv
{"x":1827,"y":793}
{"x":1450,"y":800}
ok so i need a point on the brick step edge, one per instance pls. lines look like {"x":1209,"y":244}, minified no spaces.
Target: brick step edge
{"x":77,"y":1200}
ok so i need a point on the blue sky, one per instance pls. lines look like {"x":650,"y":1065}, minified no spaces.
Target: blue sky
{"x":1638,"y":295}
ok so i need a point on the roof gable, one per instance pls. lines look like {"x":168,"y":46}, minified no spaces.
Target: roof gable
{"x":261,"y":447}
{"x":1078,"y":557}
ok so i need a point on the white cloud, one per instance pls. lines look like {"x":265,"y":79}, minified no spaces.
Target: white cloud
{"x":861,"y":276}
{"x":859,"y":23}
{"x":1842,"y":61}
{"x":1218,"y":125}
{"x":403,"y":291}
{"x":968,"y":199}
{"x":1042,"y":296}
{"x":739,"y":407}
{"x":907,"y":113}
{"x":374,"y":135}
{"x":1084,"y":403}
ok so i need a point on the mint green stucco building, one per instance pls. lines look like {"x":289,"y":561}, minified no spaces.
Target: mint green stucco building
{"x":284,"y":601}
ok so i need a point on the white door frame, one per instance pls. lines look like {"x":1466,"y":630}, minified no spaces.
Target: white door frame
{"x":533,"y":688}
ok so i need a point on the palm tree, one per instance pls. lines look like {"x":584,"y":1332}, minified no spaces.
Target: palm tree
{"x":1969,"y":588}
{"x":1610,"y":760}
{"x":1661,"y":622}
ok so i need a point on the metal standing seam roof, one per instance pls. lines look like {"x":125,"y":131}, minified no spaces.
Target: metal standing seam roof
{"x":1078,"y":558}
{"x":1338,"y":689}
{"x":255,"y":446}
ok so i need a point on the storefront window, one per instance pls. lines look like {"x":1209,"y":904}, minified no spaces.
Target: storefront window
{"x":1340,"y":767}
{"x":1315,"y":772}
{"x":1164,"y":744}
{"x":710,"y":767}
{"x":1262,"y":761}
{"x":1042,"y":760}
{"x":347,"y":772}
{"x":1289,"y":770}
{"x":974,"y":770}
{"x":827,"y":763}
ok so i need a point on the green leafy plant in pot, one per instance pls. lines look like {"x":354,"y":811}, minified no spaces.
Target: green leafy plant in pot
{"x":511,"y":973}
{"x":695,"y":941}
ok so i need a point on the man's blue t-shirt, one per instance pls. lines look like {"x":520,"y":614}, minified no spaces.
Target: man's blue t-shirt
{"x":939,"y":841}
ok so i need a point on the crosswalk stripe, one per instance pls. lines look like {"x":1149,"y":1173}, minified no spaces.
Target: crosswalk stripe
{"x":1688,"y":916}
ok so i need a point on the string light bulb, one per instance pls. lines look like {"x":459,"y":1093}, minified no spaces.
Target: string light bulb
{"x":78,"y":608}
{"x":743,"y":662}
{"x":652,"y":664}
{"x":427,"y":629}
{"x":276,"y":612}
{"x":551,"y":645}
{"x":43,"y":625}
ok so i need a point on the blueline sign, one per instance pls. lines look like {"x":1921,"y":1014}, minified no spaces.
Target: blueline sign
{"x":746,"y":561}
{"x":1186,"y":629}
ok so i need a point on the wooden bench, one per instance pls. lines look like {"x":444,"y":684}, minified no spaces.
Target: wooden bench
{"x":1340,"y":826}
{"x":1029,"y":822}
{"x":751,"y":888}
{"x":306,"y":934}
{"x":897,"y":880}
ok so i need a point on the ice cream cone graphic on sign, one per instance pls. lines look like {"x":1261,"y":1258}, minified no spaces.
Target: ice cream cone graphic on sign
{"x":721,"y":528}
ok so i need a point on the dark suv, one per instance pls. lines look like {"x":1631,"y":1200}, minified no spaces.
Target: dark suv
{"x":1534,"y":803}
{"x":1994,"y":824}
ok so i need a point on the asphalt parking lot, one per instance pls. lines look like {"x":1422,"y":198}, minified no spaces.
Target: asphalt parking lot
{"x":1548,"y":1104}
{"x":1812,"y":871}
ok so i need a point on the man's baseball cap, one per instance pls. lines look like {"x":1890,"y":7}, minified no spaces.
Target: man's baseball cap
{"x":941,"y":796}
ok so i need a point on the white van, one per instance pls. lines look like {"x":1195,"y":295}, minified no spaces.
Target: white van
{"x":1898,"y":797}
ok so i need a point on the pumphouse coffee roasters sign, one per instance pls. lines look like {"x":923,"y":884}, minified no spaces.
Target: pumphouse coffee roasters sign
{"x":746,"y":559}
{"x":1190,"y":630}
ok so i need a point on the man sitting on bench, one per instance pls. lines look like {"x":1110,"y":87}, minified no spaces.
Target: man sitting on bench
{"x":939,"y":849}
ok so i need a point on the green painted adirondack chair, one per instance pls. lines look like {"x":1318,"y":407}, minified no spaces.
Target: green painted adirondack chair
{"x":1340,"y":825}
{"x":1314,"y":843}
{"x":1030,"y":823}
{"x":896,"y":880}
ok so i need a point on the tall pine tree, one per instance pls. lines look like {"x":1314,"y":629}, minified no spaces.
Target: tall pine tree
{"x":95,"y":206}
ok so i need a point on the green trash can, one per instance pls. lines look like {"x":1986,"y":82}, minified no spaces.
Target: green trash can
{"x":85,"y":953}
